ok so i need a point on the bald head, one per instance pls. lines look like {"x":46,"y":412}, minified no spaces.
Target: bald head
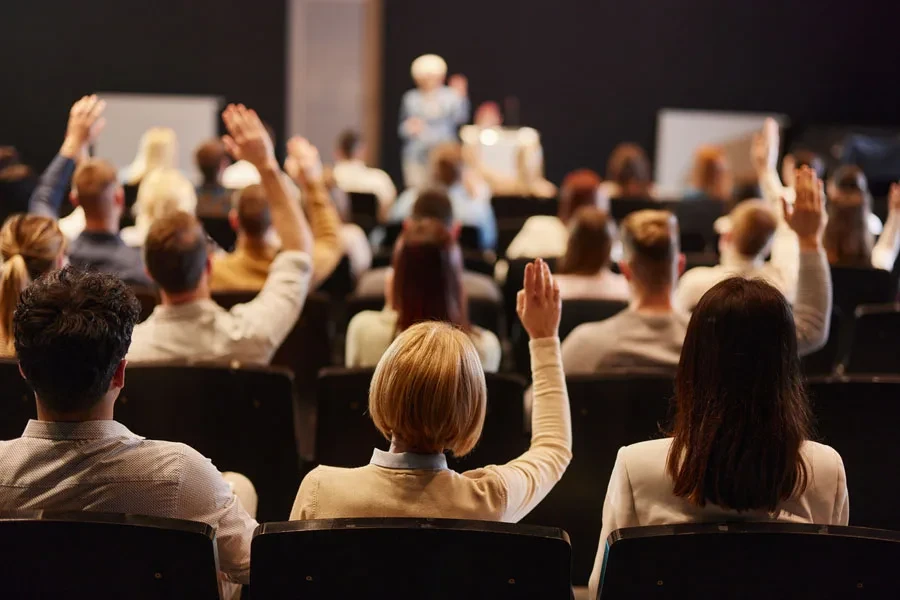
{"x":95,"y":188}
{"x":752,"y":228}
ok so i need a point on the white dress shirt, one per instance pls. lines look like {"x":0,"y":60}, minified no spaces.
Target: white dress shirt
{"x":604,"y":285}
{"x":542,"y":236}
{"x":640,"y":493}
{"x":355,"y":176}
{"x":101,"y":466}
{"x":248,"y":333}
{"x":239,"y":175}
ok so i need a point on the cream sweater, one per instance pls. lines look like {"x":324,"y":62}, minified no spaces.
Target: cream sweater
{"x":410,"y":485}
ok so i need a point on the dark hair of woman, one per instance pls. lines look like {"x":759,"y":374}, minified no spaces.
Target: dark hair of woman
{"x":591,"y":234}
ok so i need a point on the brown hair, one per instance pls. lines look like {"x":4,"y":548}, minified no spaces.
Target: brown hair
{"x":741,"y":412}
{"x":253,"y":213}
{"x":752,"y":227}
{"x":629,"y":168}
{"x":446,"y":163}
{"x":427,"y":282}
{"x":210,"y":157}
{"x":712,"y":173}
{"x":428,"y":390}
{"x":95,"y":183}
{"x":30,"y":246}
{"x":435,"y":204}
{"x":579,"y":188}
{"x":175,"y":252}
{"x":590,"y":241}
{"x":847,"y":240}
{"x":651,"y":246}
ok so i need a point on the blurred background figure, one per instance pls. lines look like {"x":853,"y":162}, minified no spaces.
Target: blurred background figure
{"x":163,"y":192}
{"x":158,"y":149}
{"x":17,"y":182}
{"x":213,"y":198}
{"x":583,"y":271}
{"x":711,"y":178}
{"x":351,"y":174}
{"x":628,"y":173}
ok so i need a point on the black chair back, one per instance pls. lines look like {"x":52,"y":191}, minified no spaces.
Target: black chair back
{"x":825,"y":360}
{"x":341,"y":282}
{"x":507,"y":230}
{"x":750,"y":560}
{"x":608,"y":411}
{"x":101,"y":555}
{"x":858,"y":417}
{"x":219,"y":229}
{"x":16,"y":402}
{"x":148,"y":298}
{"x":364,"y":210}
{"x":695,"y":223}
{"x":854,"y":286}
{"x":522,"y":207}
{"x":621,"y":206}
{"x":410,"y":558}
{"x":130,"y":190}
{"x":240,"y":418}
{"x":873,"y":346}
{"x":346,"y":436}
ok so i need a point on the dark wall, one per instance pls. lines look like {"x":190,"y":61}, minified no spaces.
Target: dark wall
{"x":55,"y":51}
{"x":591,"y":73}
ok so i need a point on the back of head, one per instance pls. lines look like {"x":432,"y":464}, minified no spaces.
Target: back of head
{"x":11,"y":169}
{"x":348,"y":143}
{"x":446,"y":163}
{"x":428,"y":390}
{"x":651,"y":247}
{"x":591,"y":233}
{"x":30,"y":246}
{"x":95,"y":185}
{"x":629,"y":168}
{"x":175,"y":252}
{"x":158,"y":149}
{"x":428,"y":66}
{"x":253,"y":213}
{"x":72,"y":328}
{"x":162,"y":193}
{"x":210,"y":157}
{"x":427,"y":284}
{"x":433,"y":203}
{"x":847,"y":240}
{"x":579,"y":188}
{"x":752,"y":228}
{"x":741,"y":412}
{"x":712,"y":173}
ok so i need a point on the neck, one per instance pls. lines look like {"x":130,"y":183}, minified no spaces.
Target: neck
{"x":102,"y":411}
{"x":101,"y":225}
{"x":252,"y":244}
{"x":398,"y":446}
{"x":661,"y":301}
{"x":201,"y":293}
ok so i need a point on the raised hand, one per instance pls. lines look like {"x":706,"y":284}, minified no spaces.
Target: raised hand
{"x":764,"y":149}
{"x":247,"y":138}
{"x":538,"y":305}
{"x":894,"y":199}
{"x":303,"y":161}
{"x":85,"y":124}
{"x":459,"y":84}
{"x":807,"y":217}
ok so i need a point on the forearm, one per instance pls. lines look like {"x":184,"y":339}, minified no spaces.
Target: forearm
{"x":48,"y":196}
{"x":812,"y":310}
{"x":287,"y":216}
{"x":884,"y":254}
{"x":325,"y":224}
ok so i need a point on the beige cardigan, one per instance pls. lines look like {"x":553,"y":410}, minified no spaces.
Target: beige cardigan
{"x":416,"y":485}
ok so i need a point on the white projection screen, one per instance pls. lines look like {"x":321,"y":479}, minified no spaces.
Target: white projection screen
{"x":195,"y":119}
{"x":680,"y":132}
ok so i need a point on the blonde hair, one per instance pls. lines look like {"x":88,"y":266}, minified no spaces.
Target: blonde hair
{"x":428,"y":390}
{"x":428,"y":65}
{"x":30,"y":246}
{"x":650,"y":246}
{"x":752,"y":227}
{"x":163,"y":192}
{"x":158,"y":149}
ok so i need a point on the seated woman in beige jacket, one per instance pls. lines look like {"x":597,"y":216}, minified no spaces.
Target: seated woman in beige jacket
{"x":428,"y":397}
{"x":739,"y":448}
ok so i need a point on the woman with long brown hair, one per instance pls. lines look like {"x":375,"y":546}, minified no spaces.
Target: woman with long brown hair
{"x":583,"y":271}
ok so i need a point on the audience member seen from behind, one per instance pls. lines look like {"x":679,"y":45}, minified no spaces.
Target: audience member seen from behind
{"x":30,"y":245}
{"x":435,"y":205}
{"x":427,"y":397}
{"x":711,"y":178}
{"x":470,"y":196}
{"x":163,"y":192}
{"x":628,"y":173}
{"x":158,"y":149}
{"x":739,"y":447}
{"x":213,"y":199}
{"x":187,"y":323}
{"x":353,"y":175}
{"x":425,"y":285}
{"x":72,"y":331}
{"x":17,"y":183}
{"x":583,"y":271}
{"x":546,"y":236}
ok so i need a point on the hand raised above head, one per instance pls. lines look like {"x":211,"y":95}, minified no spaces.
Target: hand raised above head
{"x":247,"y":137}
{"x":894,"y":198}
{"x":85,"y":124}
{"x":459,"y":84}
{"x":304,"y":159}
{"x":538,"y":304}
{"x":807,"y":216}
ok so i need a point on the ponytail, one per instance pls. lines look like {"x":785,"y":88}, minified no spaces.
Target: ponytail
{"x":14,"y":279}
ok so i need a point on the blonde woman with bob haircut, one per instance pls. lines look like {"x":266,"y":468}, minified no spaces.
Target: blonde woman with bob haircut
{"x":30,"y":245}
{"x":428,"y":397}
{"x":163,"y":193}
{"x":158,"y":149}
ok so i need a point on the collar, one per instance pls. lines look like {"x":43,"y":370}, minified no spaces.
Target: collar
{"x":737,"y":262}
{"x":82,"y":430}
{"x":102,"y":236}
{"x":409,"y":460}
{"x":187,"y":310}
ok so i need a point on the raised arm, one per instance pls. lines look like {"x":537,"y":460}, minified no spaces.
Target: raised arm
{"x":812,"y":310}
{"x":85,"y":124}
{"x":764,"y":156}
{"x":884,"y":254}
{"x":460,"y":111}
{"x":530,"y":477}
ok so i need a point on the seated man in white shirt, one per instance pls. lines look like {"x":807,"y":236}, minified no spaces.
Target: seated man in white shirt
{"x":72,"y":330}
{"x":188,"y":324}
{"x":352,"y":175}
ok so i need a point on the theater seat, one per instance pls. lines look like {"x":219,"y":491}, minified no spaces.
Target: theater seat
{"x":101,"y":555}
{"x":364,"y":210}
{"x":854,"y":286}
{"x":751,"y":560}
{"x":16,"y":402}
{"x":522,"y":207}
{"x":409,"y":558}
{"x":220,"y":230}
{"x":874,"y":339}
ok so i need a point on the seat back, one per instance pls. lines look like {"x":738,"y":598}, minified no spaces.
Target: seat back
{"x":364,"y":210}
{"x":100,"y":555}
{"x":621,"y":206}
{"x":854,"y":286}
{"x":409,"y":558}
{"x":608,"y":411}
{"x":873,"y":346}
{"x":826,"y":359}
{"x":130,"y":191}
{"x":219,"y":229}
{"x":16,"y":400}
{"x":750,"y":560}
{"x":695,"y":223}
{"x":345,"y":434}
{"x":241,"y":418}
{"x":857,"y":416}
{"x":522,"y":207}
{"x":341,"y":282}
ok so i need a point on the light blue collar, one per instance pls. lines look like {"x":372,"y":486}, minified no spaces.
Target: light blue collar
{"x":409,"y":460}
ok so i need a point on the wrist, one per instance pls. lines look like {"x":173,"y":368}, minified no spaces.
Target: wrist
{"x":810,"y":243}
{"x":269,"y":166}
{"x":71,"y":147}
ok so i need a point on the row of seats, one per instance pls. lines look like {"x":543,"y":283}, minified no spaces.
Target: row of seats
{"x":79,"y":555}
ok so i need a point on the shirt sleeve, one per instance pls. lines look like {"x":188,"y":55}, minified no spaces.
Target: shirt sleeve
{"x":618,"y":512}
{"x":884,"y":254}
{"x":325,"y":224}
{"x":842,"y":497}
{"x":812,"y":311}
{"x":48,"y":196}
{"x":530,"y":477}
{"x":206,"y":497}
{"x":307,"y":496}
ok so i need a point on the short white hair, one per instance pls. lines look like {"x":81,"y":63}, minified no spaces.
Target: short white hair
{"x":428,"y":64}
